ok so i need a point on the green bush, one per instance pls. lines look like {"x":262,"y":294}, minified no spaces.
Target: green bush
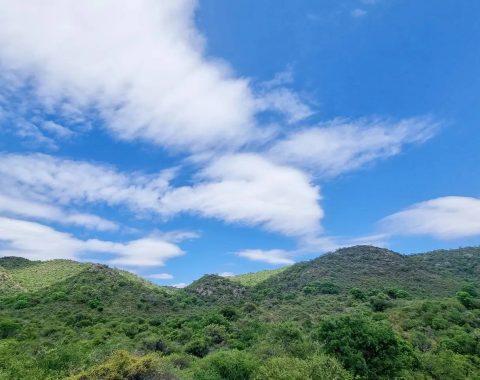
{"x":321,"y":287}
{"x":366,"y":347}
{"x":8,"y":328}
{"x":380,"y":302}
{"x":319,"y":367}
{"x":228,"y":365}
{"x":124,"y":366}
{"x":197,"y":347}
{"x":283,"y":368}
{"x":358,"y":294}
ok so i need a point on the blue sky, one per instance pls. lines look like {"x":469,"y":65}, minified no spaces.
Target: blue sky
{"x":187,"y":138}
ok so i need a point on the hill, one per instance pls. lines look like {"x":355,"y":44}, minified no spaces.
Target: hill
{"x":411,"y":316}
{"x":434,"y":274}
{"x":254,"y":278}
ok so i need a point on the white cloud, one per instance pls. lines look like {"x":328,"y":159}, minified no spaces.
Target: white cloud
{"x":273,"y":256}
{"x":226,"y":274}
{"x":56,"y":129}
{"x":39,"y":242}
{"x":16,"y":206}
{"x":180,"y":285}
{"x":140,"y":65}
{"x":238,"y":188}
{"x":246,"y":188}
{"x":63,"y":182}
{"x":36,"y":241}
{"x":443,"y":218}
{"x":342,"y":145}
{"x":286,"y":102}
{"x":160,"y":276}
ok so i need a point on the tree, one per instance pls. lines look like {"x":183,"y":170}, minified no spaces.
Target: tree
{"x":368,"y":348}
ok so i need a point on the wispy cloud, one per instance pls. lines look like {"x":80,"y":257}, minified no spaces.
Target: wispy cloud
{"x":451,"y":217}
{"x":39,"y":242}
{"x":272,"y":256}
{"x":17,"y":206}
{"x":344,"y":145}
{"x":160,"y":276}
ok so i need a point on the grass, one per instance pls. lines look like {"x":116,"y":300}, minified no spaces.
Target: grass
{"x":43,"y":274}
{"x":254,"y":278}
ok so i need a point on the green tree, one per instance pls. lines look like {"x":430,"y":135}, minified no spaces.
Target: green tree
{"x":368,"y":348}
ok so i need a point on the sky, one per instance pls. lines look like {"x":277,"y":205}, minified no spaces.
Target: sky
{"x":179,"y":138}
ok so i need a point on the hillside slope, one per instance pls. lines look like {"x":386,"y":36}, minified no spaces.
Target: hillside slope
{"x":436,"y":274}
{"x":419,"y":314}
{"x":254,"y":278}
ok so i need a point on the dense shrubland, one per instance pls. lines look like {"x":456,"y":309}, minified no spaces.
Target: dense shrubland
{"x":361,"y":312}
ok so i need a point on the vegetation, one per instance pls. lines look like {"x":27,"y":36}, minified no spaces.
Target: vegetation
{"x":358,"y":313}
{"x":252,"y":279}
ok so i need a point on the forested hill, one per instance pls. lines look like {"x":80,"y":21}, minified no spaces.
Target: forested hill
{"x":361,"y":311}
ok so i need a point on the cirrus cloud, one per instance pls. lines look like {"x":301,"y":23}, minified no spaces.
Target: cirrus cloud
{"x":272,"y":256}
{"x":343,"y":145}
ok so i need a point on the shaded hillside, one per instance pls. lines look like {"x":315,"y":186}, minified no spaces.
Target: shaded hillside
{"x":461,"y":263}
{"x":437,"y":274}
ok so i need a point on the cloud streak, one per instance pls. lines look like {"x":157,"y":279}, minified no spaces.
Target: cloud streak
{"x":343,"y":145}
{"x":240,"y":188}
{"x":272,"y":256}
{"x":39,"y":242}
{"x":445,"y":218}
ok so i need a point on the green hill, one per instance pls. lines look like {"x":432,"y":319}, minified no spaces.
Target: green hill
{"x":254,"y":278}
{"x":435,"y":274}
{"x":359,"y":311}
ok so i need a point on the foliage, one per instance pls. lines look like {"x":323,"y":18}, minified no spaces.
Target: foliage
{"x":124,"y":366}
{"x":229,"y":365}
{"x":252,"y":279}
{"x":319,"y":367}
{"x":361,"y":311}
{"x":368,"y":348}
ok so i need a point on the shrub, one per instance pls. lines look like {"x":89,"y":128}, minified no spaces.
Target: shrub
{"x":448,"y":365}
{"x":228,"y":365}
{"x":197,"y":347}
{"x":466,"y":299}
{"x":324,"y":367}
{"x":291,"y":339}
{"x":122,"y":365}
{"x":283,"y":368}
{"x":368,"y":348}
{"x":380,"y":302}
{"x":358,"y":294}
{"x":319,"y":367}
{"x":321,"y":287}
{"x":8,"y":328}
{"x":230,"y":313}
